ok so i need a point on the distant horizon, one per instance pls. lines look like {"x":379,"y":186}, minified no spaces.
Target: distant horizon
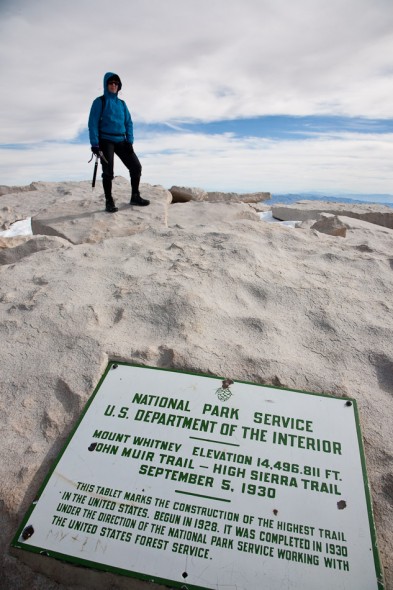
{"x":282,"y":197}
{"x":291,"y":198}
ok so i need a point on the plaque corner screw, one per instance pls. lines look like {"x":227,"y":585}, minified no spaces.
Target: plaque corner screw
{"x":28,"y":532}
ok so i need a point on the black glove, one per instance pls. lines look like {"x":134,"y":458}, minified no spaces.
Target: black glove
{"x":95,"y":149}
{"x":130,"y":146}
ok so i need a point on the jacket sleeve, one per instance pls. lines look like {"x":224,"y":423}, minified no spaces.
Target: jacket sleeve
{"x":129,"y":125}
{"x":94,"y":120}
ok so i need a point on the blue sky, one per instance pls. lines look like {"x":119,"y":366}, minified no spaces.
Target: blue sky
{"x":276,"y":127}
{"x":258,"y":95}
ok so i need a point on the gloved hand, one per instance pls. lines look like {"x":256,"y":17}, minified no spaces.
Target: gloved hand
{"x":95,"y":149}
{"x":130,"y":146}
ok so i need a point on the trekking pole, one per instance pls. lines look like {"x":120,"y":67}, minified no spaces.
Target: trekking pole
{"x":95,"y":173}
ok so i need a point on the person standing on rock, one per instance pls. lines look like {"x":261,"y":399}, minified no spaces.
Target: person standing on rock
{"x":111,"y":132}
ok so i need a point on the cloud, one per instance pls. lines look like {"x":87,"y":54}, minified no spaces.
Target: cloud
{"x":332,"y":162}
{"x":195,"y":60}
{"x":200,"y":60}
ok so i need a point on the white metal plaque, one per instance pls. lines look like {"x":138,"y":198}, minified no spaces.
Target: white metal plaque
{"x":202,"y":483}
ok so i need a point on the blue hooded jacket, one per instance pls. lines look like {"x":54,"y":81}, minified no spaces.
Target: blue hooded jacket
{"x":110,"y":119}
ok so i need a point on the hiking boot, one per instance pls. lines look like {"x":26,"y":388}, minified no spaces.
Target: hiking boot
{"x":110,"y":205}
{"x":136,"y":199}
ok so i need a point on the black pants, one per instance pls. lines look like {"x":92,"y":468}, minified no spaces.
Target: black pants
{"x":125,"y":152}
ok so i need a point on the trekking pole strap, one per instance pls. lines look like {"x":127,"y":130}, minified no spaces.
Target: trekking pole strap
{"x":103,"y":157}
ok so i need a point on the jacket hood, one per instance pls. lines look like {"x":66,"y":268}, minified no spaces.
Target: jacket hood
{"x":107,"y":77}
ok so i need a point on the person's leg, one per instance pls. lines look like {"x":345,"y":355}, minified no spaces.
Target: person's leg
{"x":107,"y":148}
{"x":126,"y":153}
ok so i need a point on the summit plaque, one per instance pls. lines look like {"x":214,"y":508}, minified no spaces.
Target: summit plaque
{"x":204,"y":483}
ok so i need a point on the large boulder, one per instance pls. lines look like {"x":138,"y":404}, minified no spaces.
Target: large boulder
{"x":183,"y":194}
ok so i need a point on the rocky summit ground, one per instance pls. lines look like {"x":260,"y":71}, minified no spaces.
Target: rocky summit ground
{"x":199,"y":286}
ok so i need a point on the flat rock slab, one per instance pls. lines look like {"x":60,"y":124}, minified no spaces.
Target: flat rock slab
{"x":182,"y":194}
{"x":21,"y":204}
{"x":305,"y":210}
{"x":194,"y":214}
{"x":238,"y":197}
{"x":86,"y":221}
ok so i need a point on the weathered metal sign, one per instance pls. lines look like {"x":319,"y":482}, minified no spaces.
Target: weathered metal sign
{"x":195,"y":482}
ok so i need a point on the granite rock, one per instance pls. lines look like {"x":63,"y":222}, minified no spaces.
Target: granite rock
{"x":182,"y":194}
{"x":305,"y":210}
{"x":330,"y":225}
{"x":197,"y":286}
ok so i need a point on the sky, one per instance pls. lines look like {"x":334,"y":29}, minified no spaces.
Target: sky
{"x":232,"y":95}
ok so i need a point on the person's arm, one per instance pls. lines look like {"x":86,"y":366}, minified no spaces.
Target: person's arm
{"x":94,"y":121}
{"x":129,"y":125}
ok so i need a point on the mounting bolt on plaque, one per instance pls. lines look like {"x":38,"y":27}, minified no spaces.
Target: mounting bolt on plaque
{"x":114,"y":366}
{"x":348,"y":404}
{"x":341,"y":504}
{"x":184,"y":575}
{"x":28,"y":532}
{"x":92,"y":447}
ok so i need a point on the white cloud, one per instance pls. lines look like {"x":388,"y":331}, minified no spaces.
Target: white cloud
{"x":203,"y":59}
{"x":348,"y":162}
{"x":344,"y":162}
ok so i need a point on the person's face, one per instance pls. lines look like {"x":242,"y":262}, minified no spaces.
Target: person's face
{"x":113,"y":86}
